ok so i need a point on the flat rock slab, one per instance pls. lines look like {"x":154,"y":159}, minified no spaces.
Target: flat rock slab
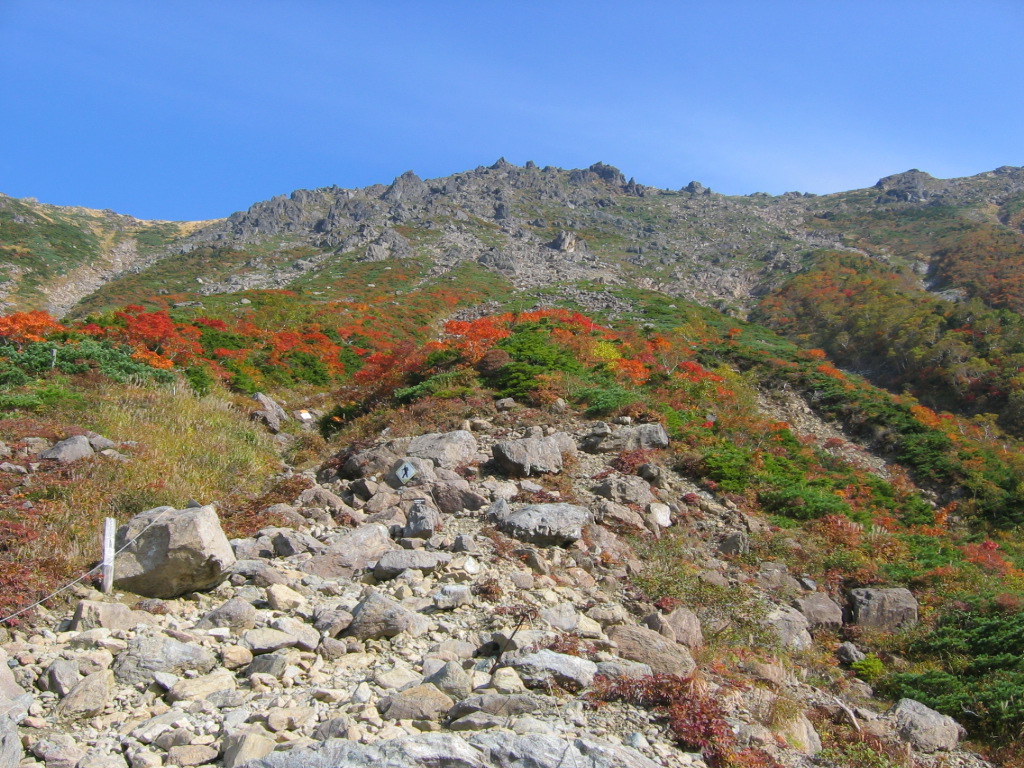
{"x":547,"y":525}
{"x":146,"y":655}
{"x":421,"y":702}
{"x":488,"y":749}
{"x":392,"y":563}
{"x":528,"y":456}
{"x":539,"y":669}
{"x":646,"y":646}
{"x":445,"y":449}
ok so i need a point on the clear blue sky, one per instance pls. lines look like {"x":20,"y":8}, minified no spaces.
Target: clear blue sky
{"x":196,"y":108}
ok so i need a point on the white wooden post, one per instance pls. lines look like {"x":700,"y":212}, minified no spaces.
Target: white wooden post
{"x":109,"y":527}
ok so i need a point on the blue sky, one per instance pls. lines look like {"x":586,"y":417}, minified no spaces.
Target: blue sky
{"x":190,"y":110}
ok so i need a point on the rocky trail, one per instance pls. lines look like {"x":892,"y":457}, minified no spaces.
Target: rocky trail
{"x":448,"y":599}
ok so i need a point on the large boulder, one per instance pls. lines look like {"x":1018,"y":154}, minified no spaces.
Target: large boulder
{"x":88,"y":698}
{"x":883,"y":609}
{"x":604,"y":439}
{"x":67,"y":451}
{"x":926,"y":729}
{"x":169,"y":552}
{"x":445,"y":449}
{"x":790,"y":627}
{"x":146,"y":655}
{"x":820,"y":611}
{"x":625,"y":489}
{"x":496,"y":748}
{"x":531,"y":455}
{"x":377,"y":617}
{"x":398,"y":560}
{"x":557,"y":525}
{"x":543,"y":667}
{"x":646,"y":646}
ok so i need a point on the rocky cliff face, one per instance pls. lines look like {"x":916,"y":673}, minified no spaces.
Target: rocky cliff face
{"x":548,"y":226}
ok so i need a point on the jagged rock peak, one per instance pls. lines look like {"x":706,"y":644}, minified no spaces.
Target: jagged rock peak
{"x":910,"y":186}
{"x":407,"y":187}
{"x":502,"y":165}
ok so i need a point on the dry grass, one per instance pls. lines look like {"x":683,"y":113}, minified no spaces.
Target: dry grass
{"x":186,"y":448}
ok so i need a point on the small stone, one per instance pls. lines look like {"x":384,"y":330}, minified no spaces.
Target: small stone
{"x":282,"y":598}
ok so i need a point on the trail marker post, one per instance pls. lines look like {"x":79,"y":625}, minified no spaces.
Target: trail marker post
{"x":109,"y":527}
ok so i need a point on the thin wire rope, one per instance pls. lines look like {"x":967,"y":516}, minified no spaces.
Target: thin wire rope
{"x":85,"y":575}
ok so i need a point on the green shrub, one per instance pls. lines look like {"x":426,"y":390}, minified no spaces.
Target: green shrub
{"x":869,"y":669}
{"x":980,"y":684}
{"x":802,"y":501}
{"x":200,"y":379}
{"x":729,"y":466}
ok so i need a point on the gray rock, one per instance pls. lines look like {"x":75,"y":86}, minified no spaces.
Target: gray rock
{"x":375,"y":461}
{"x":236,"y":614}
{"x":146,"y":655}
{"x":625,"y":489}
{"x":395,"y":562}
{"x":543,"y":667}
{"x":273,"y":664}
{"x":649,"y":647}
{"x":90,"y":614}
{"x":791,"y":627}
{"x":883,"y":609}
{"x":287,"y":542}
{"x":451,"y":596}
{"x":242,"y":746}
{"x":848,"y":653}
{"x":507,"y":705}
{"x":735,"y":543}
{"x":543,"y":524}
{"x":172,"y":552}
{"x":686,"y":627}
{"x":362,"y":546}
{"x":377,"y":617}
{"x":623,"y":668}
{"x":9,"y":688}
{"x":191,"y":754}
{"x":421,"y":702}
{"x":452,"y":680}
{"x":926,"y":729}
{"x":67,"y":451}
{"x":60,"y":677}
{"x":447,"y":449}
{"x":58,"y":750}
{"x":820,"y":611}
{"x":531,"y":455}
{"x":268,"y":640}
{"x":11,"y":752}
{"x":88,"y":698}
{"x":270,"y":413}
{"x":630,"y":438}
{"x":538,"y":750}
{"x":422,"y":520}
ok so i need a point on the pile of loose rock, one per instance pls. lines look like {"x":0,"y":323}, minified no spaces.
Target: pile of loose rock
{"x":429,"y":604}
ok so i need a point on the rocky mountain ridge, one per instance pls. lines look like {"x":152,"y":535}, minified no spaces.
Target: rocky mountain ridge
{"x":544,"y":227}
{"x":451,"y":599}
